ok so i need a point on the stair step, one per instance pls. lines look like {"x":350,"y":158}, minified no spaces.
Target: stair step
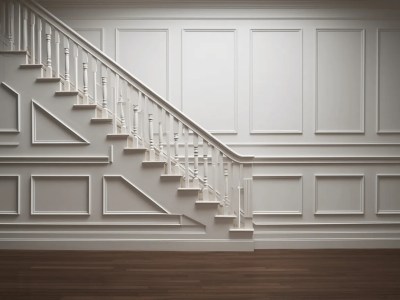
{"x":201,"y":202}
{"x":188,"y":190}
{"x":153,"y":164}
{"x":14,"y":52}
{"x":135,"y":150}
{"x":67,"y":93}
{"x":171,"y":177}
{"x":117,"y":136}
{"x":31,"y":66}
{"x":84,"y":106}
{"x":225,"y":216}
{"x":101,"y":120}
{"x":48,"y":79}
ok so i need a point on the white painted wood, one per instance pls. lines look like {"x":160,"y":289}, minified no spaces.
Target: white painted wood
{"x":104,"y":104}
{"x":40,"y":41}
{"x":388,"y":194}
{"x":57,"y":52}
{"x":49,"y":71}
{"x":11,"y":37}
{"x":85,"y":66}
{"x":276,"y":63}
{"x":196,"y":182}
{"x":32,"y":36}
{"x":67,"y":76}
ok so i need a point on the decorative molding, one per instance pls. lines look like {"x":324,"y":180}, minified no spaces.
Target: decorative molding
{"x":251,"y":106}
{"x":334,"y":144}
{"x":35,"y":141}
{"x":362,"y":92}
{"x":9,"y":144}
{"x":234,"y":131}
{"x":98,"y":29}
{"x":166,"y":31}
{"x":18,"y":200}
{"x":378,"y":67}
{"x":144,"y":196}
{"x":377,"y":200}
{"x":331,"y":160}
{"x":52,"y":176}
{"x":280,"y":176}
{"x":54,"y":160}
{"x":305,"y":224}
{"x":339,"y":212}
{"x":15,"y":94}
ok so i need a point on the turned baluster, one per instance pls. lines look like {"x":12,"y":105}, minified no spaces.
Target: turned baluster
{"x":94,"y":68}
{"x":39,"y":29}
{"x":67,"y":82}
{"x":57,"y":40}
{"x":226,"y":201}
{"x":33,"y":47}
{"x":196,"y":182}
{"x":185,"y":132}
{"x":214,"y":163}
{"x":104,"y":110}
{"x":176,"y":153}
{"x":115,"y":93}
{"x":11,"y":25}
{"x":205,"y":190}
{"x":49,"y":72}
{"x":85,"y":79}
{"x":135,"y":126}
{"x":160,"y":129}
{"x":152,"y":152}
{"x":18,"y":37}
{"x":76,"y":53}
{"x":168,"y":125}
{"x":122,"y":114}
{"x":25,"y":29}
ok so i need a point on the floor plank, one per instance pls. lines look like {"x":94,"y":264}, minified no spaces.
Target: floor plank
{"x":263,"y":274}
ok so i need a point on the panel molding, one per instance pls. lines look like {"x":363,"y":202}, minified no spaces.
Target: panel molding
{"x":233,"y":131}
{"x":377,"y":200}
{"x":79,"y":138}
{"x":10,"y":90}
{"x":251,"y":98}
{"x":18,"y":200}
{"x":340,"y":212}
{"x":142,"y":193}
{"x":378,"y":67}
{"x":98,"y":29}
{"x":280,"y":176}
{"x":77,"y":213}
{"x":118,"y":30}
{"x":362,"y":91}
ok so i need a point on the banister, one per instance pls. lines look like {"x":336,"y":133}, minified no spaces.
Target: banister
{"x":136,"y":83}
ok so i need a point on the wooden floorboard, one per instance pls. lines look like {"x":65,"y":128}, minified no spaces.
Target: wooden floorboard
{"x":263,"y":274}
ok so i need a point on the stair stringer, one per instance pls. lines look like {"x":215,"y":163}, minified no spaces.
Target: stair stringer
{"x":99,"y":157}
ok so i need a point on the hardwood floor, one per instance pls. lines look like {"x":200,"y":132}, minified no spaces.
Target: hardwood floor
{"x":264,"y":274}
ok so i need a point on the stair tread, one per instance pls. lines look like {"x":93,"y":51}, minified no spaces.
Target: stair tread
{"x":133,"y":150}
{"x":242,"y":229}
{"x":48,"y":79}
{"x":84,"y":106}
{"x":66,"y":93}
{"x":101,"y":120}
{"x":206,"y":202}
{"x":226,"y":216}
{"x":31,"y":66}
{"x":117,"y":135}
{"x":189,"y":189}
{"x":13,"y":52}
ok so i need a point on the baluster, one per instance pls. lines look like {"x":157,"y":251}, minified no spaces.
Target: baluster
{"x":128,"y":105}
{"x":25,"y":30}
{"x":205,"y":191}
{"x":33,"y":46}
{"x":104,"y":111}
{"x":76,"y":54}
{"x":39,"y":39}
{"x":3,"y":9}
{"x":196,"y":183}
{"x":168,"y":125}
{"x":185,"y":132}
{"x":160,"y":129}
{"x":11,"y":25}
{"x":57,"y":40}
{"x":115,"y":104}
{"x":176,"y":153}
{"x":214,"y":163}
{"x":226,"y":202}
{"x":49,"y":72}
{"x":67,"y":82}
{"x":152,"y":153}
{"x":122,"y":114}
{"x":85,"y":78}
{"x":135,"y":126}
{"x":18,"y":37}
{"x":94,"y":68}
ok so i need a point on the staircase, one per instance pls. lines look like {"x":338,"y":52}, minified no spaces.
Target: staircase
{"x":151,"y":178}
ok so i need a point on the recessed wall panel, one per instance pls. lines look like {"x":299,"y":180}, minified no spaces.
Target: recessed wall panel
{"x":9,"y":194}
{"x":144,"y":53}
{"x":93,"y":35}
{"x":276,"y":64}
{"x":60,"y":194}
{"x":277,"y":194}
{"x":209,"y":78}
{"x":388,"y":81}
{"x":340,"y":81}
{"x":388,"y":194}
{"x":339,"y":194}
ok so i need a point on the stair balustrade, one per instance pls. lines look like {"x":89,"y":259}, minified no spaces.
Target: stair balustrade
{"x":206,"y":165}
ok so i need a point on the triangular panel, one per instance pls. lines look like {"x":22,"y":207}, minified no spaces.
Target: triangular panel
{"x":10,"y":109}
{"x":49,"y":129}
{"x":120,"y":196}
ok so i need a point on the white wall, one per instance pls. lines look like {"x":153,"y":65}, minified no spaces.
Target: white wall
{"x":318,"y":86}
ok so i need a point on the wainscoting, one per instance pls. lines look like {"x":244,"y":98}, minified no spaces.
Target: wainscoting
{"x":263,"y":274}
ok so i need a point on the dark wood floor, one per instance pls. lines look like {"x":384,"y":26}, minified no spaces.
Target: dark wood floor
{"x":267,"y":274}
